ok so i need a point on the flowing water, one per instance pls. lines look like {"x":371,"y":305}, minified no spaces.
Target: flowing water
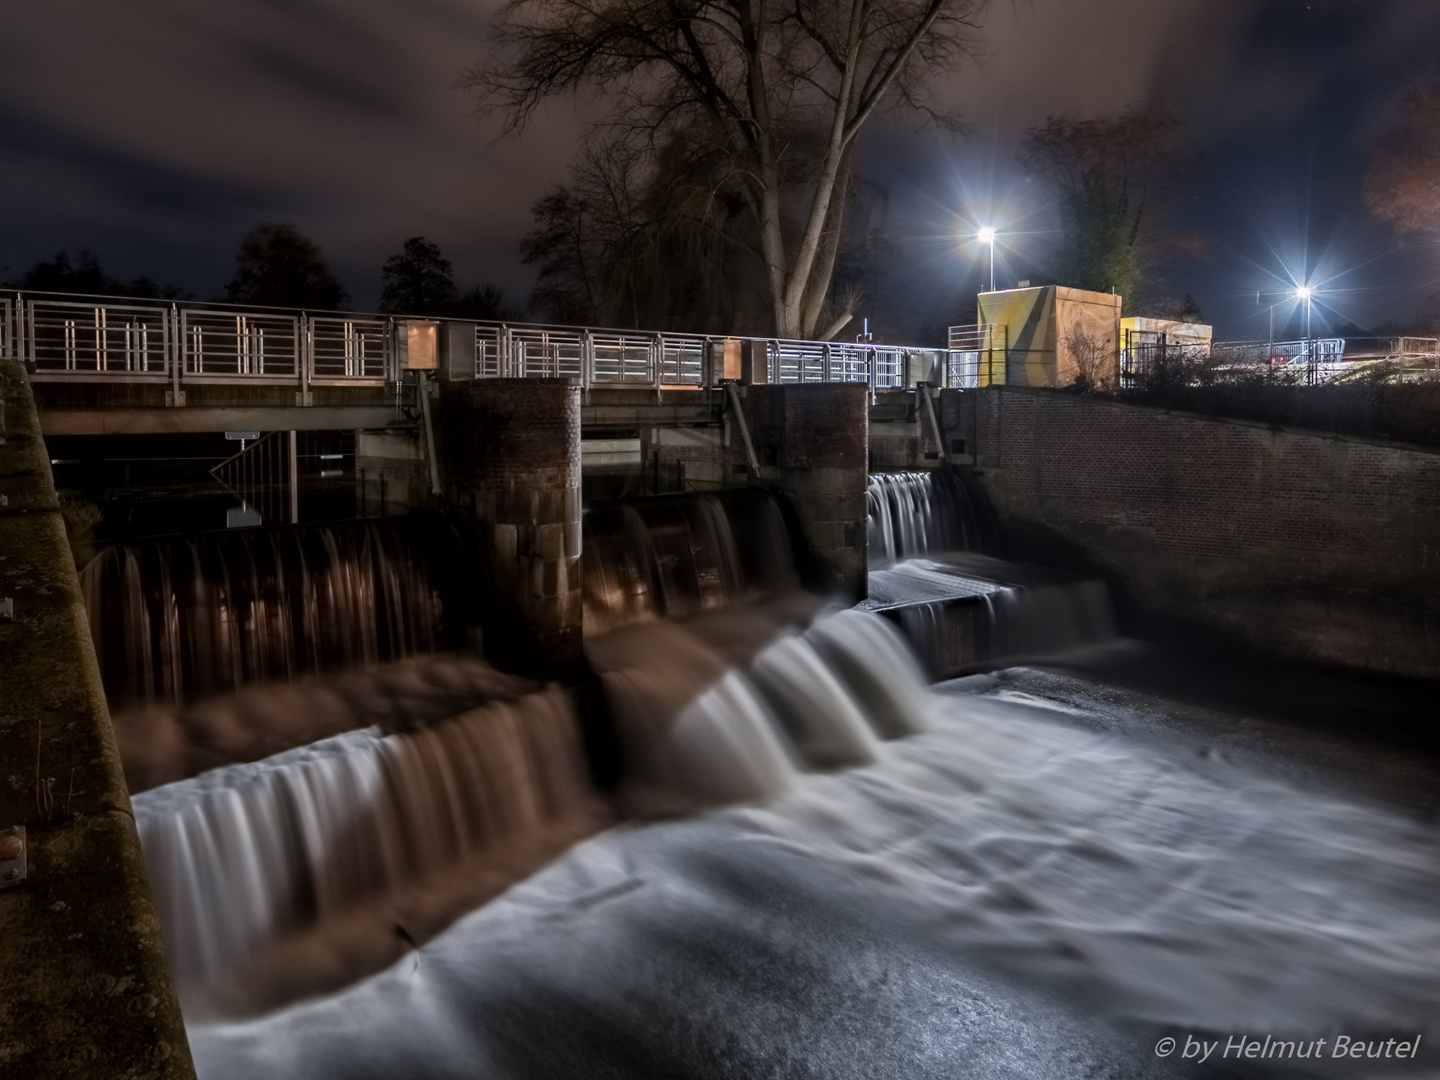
{"x":179,"y":619}
{"x":911,"y":513}
{"x":1001,"y":893}
{"x":961,"y":610}
{"x":681,"y":555}
{"x":993,"y":844}
{"x":356,"y":841}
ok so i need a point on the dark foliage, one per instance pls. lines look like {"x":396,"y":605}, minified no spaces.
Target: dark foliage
{"x":1112,"y":178}
{"x":659,"y":243}
{"x":1403,"y":186}
{"x":83,"y":274}
{"x":278,"y":266}
{"x":484,"y":302}
{"x":418,"y":281}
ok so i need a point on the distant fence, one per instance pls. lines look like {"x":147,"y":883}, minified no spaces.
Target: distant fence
{"x":105,"y":339}
{"x":1312,"y":362}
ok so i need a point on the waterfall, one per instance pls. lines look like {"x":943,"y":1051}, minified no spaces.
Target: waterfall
{"x":179,"y":619}
{"x":969,"y":613}
{"x":912,"y":513}
{"x":677,"y":556}
{"x":963,"y":611}
{"x":697,"y":730}
{"x":294,"y":874}
{"x":299,"y":873}
{"x":245,"y":858}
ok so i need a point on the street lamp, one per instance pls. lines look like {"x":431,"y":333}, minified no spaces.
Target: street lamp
{"x":987,"y":236}
{"x":1304,"y":293}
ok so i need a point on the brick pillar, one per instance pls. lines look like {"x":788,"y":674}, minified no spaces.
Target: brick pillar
{"x":813,"y":444}
{"x":511,"y":454}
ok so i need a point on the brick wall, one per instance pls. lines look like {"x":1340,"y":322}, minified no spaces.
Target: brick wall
{"x":1314,"y":544}
{"x":510,"y":453}
{"x":812,"y":442}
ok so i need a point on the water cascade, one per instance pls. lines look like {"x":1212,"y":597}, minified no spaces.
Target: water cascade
{"x":297,"y":873}
{"x":960,"y":609}
{"x":699,"y":728}
{"x":180,"y":619}
{"x":676,"y":556}
{"x":914,"y":513}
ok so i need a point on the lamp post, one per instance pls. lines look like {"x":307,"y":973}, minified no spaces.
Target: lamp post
{"x":987,"y":236}
{"x":1304,"y":293}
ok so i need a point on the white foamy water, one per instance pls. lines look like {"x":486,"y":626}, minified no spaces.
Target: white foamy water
{"x":1146,"y":881}
{"x":351,"y":838}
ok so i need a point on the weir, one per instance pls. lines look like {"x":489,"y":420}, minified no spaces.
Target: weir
{"x":325,"y":860}
{"x":344,"y":736}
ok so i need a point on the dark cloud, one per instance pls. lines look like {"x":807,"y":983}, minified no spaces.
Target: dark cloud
{"x":159,"y":130}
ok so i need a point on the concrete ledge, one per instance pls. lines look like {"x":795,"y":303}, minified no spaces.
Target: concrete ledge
{"x":84,"y":987}
{"x":99,"y":421}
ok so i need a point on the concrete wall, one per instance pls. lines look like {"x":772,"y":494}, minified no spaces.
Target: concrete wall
{"x":84,"y":988}
{"x":1311,"y":544}
{"x":901,"y":435}
{"x":392,"y":475}
{"x":510,"y":456}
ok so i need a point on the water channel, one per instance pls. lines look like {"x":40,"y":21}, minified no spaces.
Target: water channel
{"x":965,"y":828}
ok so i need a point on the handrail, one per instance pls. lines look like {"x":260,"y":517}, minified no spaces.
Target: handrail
{"x":92,"y":338}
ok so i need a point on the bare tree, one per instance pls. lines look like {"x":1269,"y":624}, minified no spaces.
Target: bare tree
{"x":1093,"y":358}
{"x":779,"y":91}
{"x":646,"y":241}
{"x":1110,"y":175}
{"x":1403,"y":186}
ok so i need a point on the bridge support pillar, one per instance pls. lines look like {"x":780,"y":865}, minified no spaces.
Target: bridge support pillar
{"x":812,"y":444}
{"x":511,"y":455}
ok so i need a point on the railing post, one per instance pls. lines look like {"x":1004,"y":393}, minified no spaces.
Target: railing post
{"x":174,"y":354}
{"x":304,"y":356}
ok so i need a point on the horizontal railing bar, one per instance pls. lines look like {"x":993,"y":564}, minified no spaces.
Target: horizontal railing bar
{"x":93,"y":337}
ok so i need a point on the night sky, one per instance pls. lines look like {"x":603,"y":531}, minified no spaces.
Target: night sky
{"x":159,"y":131}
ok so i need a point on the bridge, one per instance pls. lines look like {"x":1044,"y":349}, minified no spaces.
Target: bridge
{"x":108,"y":365}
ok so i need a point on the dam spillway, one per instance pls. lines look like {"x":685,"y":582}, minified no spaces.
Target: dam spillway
{"x":359,"y":856}
{"x":711,"y":697}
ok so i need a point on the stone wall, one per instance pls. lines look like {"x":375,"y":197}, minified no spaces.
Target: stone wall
{"x":1316,"y":545}
{"x":84,"y":987}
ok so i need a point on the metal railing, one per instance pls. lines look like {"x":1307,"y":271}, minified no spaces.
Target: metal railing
{"x":1313,"y":361}
{"x":978,"y":354}
{"x":107,"y":339}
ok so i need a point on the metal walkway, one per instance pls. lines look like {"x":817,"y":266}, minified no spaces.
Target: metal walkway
{"x":180,"y":345}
